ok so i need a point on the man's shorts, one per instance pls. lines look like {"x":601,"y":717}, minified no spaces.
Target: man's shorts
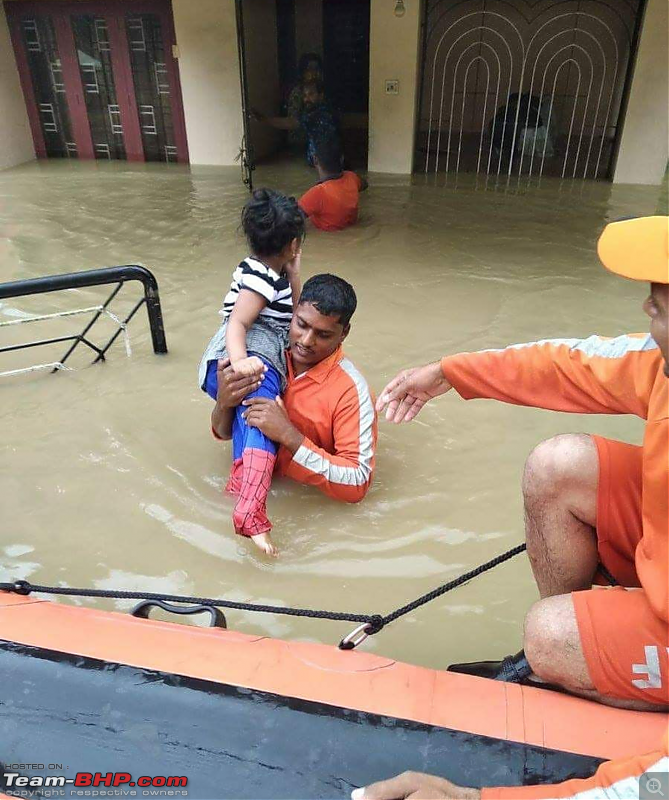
{"x":624,"y":642}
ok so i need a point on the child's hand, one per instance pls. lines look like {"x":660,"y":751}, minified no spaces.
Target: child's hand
{"x":292,"y":267}
{"x":249,"y":366}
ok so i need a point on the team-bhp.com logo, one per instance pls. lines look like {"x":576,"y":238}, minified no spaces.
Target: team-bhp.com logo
{"x":96,"y":784}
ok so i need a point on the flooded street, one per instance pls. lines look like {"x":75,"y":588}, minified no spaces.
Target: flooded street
{"x":109,"y":476}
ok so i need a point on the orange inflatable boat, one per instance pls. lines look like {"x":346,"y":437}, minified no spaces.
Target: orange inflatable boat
{"x":100,"y":704}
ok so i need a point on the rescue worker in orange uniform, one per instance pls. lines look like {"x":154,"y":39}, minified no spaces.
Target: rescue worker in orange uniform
{"x":325,"y":422}
{"x":592,"y":505}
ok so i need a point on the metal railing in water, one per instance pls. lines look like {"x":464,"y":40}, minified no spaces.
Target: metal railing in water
{"x":78,"y":280}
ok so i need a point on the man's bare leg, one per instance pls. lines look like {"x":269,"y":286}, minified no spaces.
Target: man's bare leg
{"x":560,"y":494}
{"x":553,"y":649}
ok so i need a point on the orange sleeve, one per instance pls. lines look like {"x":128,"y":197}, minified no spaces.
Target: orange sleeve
{"x":311,"y":201}
{"x":614,"y":779}
{"x":346,"y":474}
{"x":594,"y":375}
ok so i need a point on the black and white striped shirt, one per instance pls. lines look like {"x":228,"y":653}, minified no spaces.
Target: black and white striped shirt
{"x":263,"y":280}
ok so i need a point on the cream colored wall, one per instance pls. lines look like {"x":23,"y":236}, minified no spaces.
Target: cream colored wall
{"x":206,"y":34}
{"x":393,"y":56}
{"x":15,"y":136}
{"x":308,"y":27}
{"x":262,"y":72}
{"x":644,"y":146}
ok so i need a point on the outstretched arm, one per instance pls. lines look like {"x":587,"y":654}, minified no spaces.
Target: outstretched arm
{"x":403,"y":398}
{"x":280,"y":123}
{"x":595,"y":375}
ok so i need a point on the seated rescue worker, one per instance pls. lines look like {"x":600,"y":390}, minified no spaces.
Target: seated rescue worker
{"x":590,"y":503}
{"x":325,"y":423}
{"x":332,"y":204}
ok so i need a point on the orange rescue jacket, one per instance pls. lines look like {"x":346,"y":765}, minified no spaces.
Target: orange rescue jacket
{"x":624,"y":375}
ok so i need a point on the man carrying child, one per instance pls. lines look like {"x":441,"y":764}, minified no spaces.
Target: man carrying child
{"x":325,"y":424}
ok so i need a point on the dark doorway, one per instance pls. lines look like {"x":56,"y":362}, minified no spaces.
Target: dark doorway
{"x":346,"y":53}
{"x":337,"y":32}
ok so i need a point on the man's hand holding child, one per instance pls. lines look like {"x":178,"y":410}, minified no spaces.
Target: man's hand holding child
{"x":270,"y":417}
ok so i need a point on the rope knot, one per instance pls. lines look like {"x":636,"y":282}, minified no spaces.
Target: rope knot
{"x":21,"y":587}
{"x":375,"y":624}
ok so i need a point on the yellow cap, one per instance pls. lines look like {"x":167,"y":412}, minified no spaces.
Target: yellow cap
{"x":637,"y":248}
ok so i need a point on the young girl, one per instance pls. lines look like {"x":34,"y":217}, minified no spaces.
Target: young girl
{"x":256,"y":316}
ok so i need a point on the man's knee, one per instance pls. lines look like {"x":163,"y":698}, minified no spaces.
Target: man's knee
{"x":540,"y":638}
{"x":562,"y":464}
{"x":552,"y":643}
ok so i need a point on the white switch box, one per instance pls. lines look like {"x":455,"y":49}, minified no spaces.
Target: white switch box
{"x":392,"y":87}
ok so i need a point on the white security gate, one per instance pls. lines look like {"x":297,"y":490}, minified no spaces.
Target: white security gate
{"x":514,"y":86}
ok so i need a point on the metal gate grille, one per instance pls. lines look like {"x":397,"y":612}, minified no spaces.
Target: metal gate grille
{"x":514,"y":86}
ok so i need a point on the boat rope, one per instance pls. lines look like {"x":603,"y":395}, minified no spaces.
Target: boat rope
{"x":368,"y":624}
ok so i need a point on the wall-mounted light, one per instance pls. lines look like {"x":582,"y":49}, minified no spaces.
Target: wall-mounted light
{"x":400,"y":11}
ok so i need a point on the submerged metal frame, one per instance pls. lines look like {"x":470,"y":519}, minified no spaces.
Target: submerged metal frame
{"x":95,"y":277}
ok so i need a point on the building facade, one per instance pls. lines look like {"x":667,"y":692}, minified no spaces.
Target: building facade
{"x":573,"y":88}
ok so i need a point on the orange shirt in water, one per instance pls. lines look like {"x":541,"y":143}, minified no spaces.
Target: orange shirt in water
{"x":332,"y":406}
{"x":624,"y":375}
{"x":333,"y":204}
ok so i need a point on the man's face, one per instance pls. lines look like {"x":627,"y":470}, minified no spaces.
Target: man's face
{"x":656,"y":306}
{"x":313,"y":336}
{"x":311,"y":96}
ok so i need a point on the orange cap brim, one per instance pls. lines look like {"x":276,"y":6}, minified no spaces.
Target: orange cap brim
{"x":637,"y":248}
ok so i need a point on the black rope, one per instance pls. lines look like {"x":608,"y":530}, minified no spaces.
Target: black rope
{"x":24,"y":587}
{"x":373,"y":623}
{"x":447,"y":587}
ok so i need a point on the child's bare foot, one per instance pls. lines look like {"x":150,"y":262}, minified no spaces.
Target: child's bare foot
{"x":265,"y":543}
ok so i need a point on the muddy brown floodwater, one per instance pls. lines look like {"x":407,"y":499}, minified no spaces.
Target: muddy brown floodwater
{"x":110,"y":477}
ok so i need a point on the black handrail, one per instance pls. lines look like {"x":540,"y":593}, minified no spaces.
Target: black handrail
{"x":100,"y":277}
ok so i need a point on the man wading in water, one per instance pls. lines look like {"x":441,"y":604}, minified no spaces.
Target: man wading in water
{"x":590,"y":502}
{"x":325,"y":423}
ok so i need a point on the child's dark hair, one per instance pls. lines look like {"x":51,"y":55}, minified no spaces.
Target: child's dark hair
{"x":270,"y":221}
{"x":330,"y":295}
{"x":328,"y":153}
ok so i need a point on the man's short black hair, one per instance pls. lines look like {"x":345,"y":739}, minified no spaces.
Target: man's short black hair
{"x":330,"y":295}
{"x":328,"y":153}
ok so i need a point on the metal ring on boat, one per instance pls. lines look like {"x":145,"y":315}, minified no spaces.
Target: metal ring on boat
{"x":356,"y":637}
